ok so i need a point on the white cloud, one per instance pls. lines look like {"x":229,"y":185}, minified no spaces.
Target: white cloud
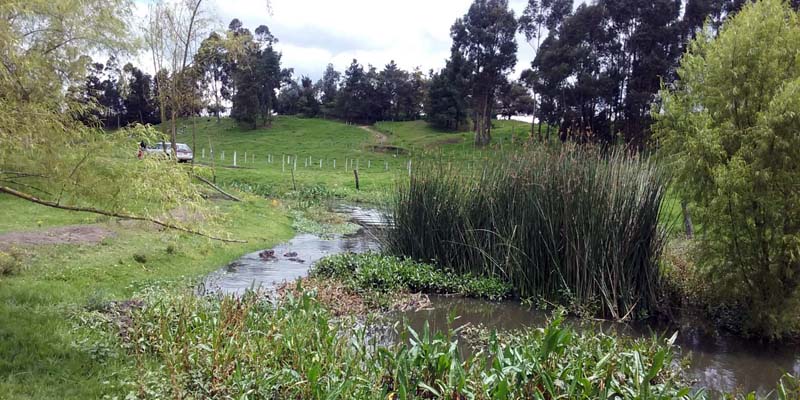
{"x":313,"y":33}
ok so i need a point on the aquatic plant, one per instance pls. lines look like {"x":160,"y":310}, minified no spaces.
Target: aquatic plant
{"x":374,"y":272}
{"x":200,"y":347}
{"x":571,"y":225}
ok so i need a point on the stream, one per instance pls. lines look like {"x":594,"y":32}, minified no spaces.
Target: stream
{"x":719,"y":362}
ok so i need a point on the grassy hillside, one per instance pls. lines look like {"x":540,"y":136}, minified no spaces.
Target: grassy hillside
{"x":261,"y":152}
{"x":339,"y":148}
{"x":420,"y":136}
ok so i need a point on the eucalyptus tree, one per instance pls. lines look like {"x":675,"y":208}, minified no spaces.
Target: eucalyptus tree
{"x":214,"y":69}
{"x":256,"y":74}
{"x":448,"y":95}
{"x":140,"y":104}
{"x":486,"y":38}
{"x":328,"y":88}
{"x":538,"y":18}
{"x":308,"y":104}
{"x":514,"y":99}
{"x":350,"y":101}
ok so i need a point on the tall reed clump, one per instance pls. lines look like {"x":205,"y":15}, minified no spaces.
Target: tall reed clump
{"x":572,"y":225}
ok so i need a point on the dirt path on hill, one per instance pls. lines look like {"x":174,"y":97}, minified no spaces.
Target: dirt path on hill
{"x":380,"y":137}
{"x":71,"y":234}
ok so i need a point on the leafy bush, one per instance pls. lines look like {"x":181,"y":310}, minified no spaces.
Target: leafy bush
{"x":376,"y":272}
{"x":571,"y":225}
{"x":731,"y":127}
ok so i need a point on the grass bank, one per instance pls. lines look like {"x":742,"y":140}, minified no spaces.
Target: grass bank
{"x":48,"y":346}
{"x":328,"y":151}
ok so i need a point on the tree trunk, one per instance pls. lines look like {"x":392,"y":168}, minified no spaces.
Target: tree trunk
{"x":533,"y":117}
{"x":687,"y":219}
{"x":174,"y":133}
{"x":482,"y":123}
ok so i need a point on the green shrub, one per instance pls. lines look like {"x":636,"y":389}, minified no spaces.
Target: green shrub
{"x":375,"y":272}
{"x":730,"y":125}
{"x":570,"y":225}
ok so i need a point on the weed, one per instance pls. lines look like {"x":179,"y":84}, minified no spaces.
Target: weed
{"x":10,"y":262}
{"x":140,"y":257}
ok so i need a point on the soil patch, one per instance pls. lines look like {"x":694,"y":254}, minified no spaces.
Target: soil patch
{"x":380,"y":137}
{"x":73,"y":234}
{"x":389,"y":149}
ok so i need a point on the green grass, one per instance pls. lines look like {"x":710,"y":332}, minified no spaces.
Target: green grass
{"x":46,"y":351}
{"x":325,"y":140}
{"x":420,"y":136}
{"x":296,"y":137}
{"x":25,"y":216}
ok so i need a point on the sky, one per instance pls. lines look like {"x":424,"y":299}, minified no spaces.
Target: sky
{"x":313,"y":33}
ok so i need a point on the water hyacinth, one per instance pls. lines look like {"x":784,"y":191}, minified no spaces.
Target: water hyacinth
{"x":571,"y":225}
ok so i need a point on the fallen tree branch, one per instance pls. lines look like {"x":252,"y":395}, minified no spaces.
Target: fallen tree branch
{"x":34,"y":199}
{"x":217,"y":188}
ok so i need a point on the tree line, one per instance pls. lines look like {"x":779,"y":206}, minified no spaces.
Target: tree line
{"x":595,"y":74}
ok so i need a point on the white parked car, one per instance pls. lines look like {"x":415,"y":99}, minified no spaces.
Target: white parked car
{"x":164,"y":149}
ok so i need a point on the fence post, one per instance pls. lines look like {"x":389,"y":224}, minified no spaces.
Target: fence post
{"x":369,"y":164}
{"x":204,"y":153}
{"x":234,"y":158}
{"x":245,"y":157}
{"x":334,"y":163}
{"x":283,"y":163}
{"x":409,"y":167}
{"x":320,"y":163}
{"x":355,"y":172}
{"x":222,"y":156}
{"x":294,"y":167}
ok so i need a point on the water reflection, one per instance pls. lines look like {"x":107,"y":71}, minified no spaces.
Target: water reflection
{"x":253,"y":272}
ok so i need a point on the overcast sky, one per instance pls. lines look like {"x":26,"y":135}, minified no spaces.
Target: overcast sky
{"x":313,"y":33}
